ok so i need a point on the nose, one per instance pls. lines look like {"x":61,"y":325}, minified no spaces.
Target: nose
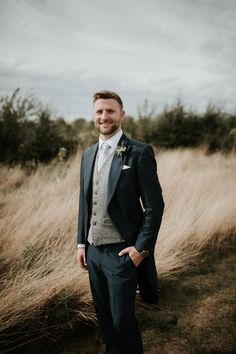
{"x":104,"y":115}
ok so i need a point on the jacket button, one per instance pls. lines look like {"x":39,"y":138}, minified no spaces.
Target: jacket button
{"x":94,"y":223}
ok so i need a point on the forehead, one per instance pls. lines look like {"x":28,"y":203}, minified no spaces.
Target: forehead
{"x":102,"y":103}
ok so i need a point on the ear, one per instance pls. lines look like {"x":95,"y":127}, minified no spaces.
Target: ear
{"x":123,"y":115}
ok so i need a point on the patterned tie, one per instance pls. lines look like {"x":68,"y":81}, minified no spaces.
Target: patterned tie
{"x":103,"y":154}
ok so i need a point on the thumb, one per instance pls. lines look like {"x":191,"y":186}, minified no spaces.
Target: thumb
{"x":85,"y":262}
{"x":124,"y":251}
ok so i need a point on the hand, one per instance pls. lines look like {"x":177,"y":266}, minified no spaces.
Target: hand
{"x":81,"y":258}
{"x":135,"y":255}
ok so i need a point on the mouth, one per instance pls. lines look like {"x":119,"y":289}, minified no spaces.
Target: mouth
{"x":105,"y":124}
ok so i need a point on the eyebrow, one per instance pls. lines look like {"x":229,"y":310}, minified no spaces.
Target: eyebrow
{"x":105,"y":109}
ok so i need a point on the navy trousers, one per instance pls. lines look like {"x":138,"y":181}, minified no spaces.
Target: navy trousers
{"x":113,"y":281}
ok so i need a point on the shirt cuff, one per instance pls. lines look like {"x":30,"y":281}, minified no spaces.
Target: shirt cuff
{"x":80,"y":245}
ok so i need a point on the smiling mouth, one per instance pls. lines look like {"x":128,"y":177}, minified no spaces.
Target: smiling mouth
{"x":105,"y":123}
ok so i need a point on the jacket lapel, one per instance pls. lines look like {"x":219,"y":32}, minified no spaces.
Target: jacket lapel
{"x":88,"y":169}
{"x":116,"y":168}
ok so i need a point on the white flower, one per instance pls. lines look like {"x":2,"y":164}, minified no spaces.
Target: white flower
{"x":121,"y":149}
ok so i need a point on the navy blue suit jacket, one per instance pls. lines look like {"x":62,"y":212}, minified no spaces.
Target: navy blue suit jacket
{"x":135,"y":204}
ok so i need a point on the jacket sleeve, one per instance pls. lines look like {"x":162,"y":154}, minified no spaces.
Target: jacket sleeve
{"x":81,"y":221}
{"x":152,"y":200}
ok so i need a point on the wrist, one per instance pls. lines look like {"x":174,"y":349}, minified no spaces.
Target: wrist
{"x":144,"y":253}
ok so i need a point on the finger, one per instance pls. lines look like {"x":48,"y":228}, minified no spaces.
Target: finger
{"x":83,"y":265}
{"x":84,"y":261}
{"x":124,"y":251}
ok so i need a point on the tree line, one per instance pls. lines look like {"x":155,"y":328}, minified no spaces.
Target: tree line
{"x":30,"y":132}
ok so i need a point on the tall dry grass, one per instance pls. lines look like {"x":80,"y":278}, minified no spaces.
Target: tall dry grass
{"x":38,"y":219}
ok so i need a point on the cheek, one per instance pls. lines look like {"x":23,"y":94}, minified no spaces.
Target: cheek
{"x":117,"y":121}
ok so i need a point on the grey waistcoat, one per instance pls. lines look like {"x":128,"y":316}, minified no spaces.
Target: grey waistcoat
{"x":102,"y":230}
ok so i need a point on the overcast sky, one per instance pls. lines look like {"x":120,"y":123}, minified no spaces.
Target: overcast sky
{"x":162,"y":50}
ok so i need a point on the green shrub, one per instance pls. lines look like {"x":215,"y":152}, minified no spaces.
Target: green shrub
{"x":28,"y":132}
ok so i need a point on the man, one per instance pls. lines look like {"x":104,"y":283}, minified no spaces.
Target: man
{"x":120,"y":213}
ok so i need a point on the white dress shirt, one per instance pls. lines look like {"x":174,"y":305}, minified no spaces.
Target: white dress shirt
{"x":113,"y":141}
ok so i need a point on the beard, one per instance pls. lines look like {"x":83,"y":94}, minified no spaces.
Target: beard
{"x":108,"y":128}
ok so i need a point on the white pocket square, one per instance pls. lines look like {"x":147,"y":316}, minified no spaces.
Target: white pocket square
{"x":125,"y":167}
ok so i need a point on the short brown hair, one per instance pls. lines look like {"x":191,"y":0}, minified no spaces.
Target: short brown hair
{"x":105,"y":94}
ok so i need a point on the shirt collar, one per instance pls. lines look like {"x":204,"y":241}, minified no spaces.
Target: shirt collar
{"x":113,"y":141}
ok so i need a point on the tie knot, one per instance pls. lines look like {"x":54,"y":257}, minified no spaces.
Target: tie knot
{"x":105,"y":147}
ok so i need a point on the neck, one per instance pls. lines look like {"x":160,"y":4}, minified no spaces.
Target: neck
{"x":107,"y":137}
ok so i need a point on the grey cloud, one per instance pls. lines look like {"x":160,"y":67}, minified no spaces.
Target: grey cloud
{"x":67,"y":50}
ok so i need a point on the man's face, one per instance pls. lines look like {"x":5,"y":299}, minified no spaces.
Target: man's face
{"x":108,"y":116}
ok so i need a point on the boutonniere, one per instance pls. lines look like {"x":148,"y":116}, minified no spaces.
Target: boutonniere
{"x":120,"y":150}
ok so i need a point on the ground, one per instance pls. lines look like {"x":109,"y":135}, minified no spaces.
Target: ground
{"x":196,"y":314}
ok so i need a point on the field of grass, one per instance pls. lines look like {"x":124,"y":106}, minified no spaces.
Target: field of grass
{"x":45,"y":303}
